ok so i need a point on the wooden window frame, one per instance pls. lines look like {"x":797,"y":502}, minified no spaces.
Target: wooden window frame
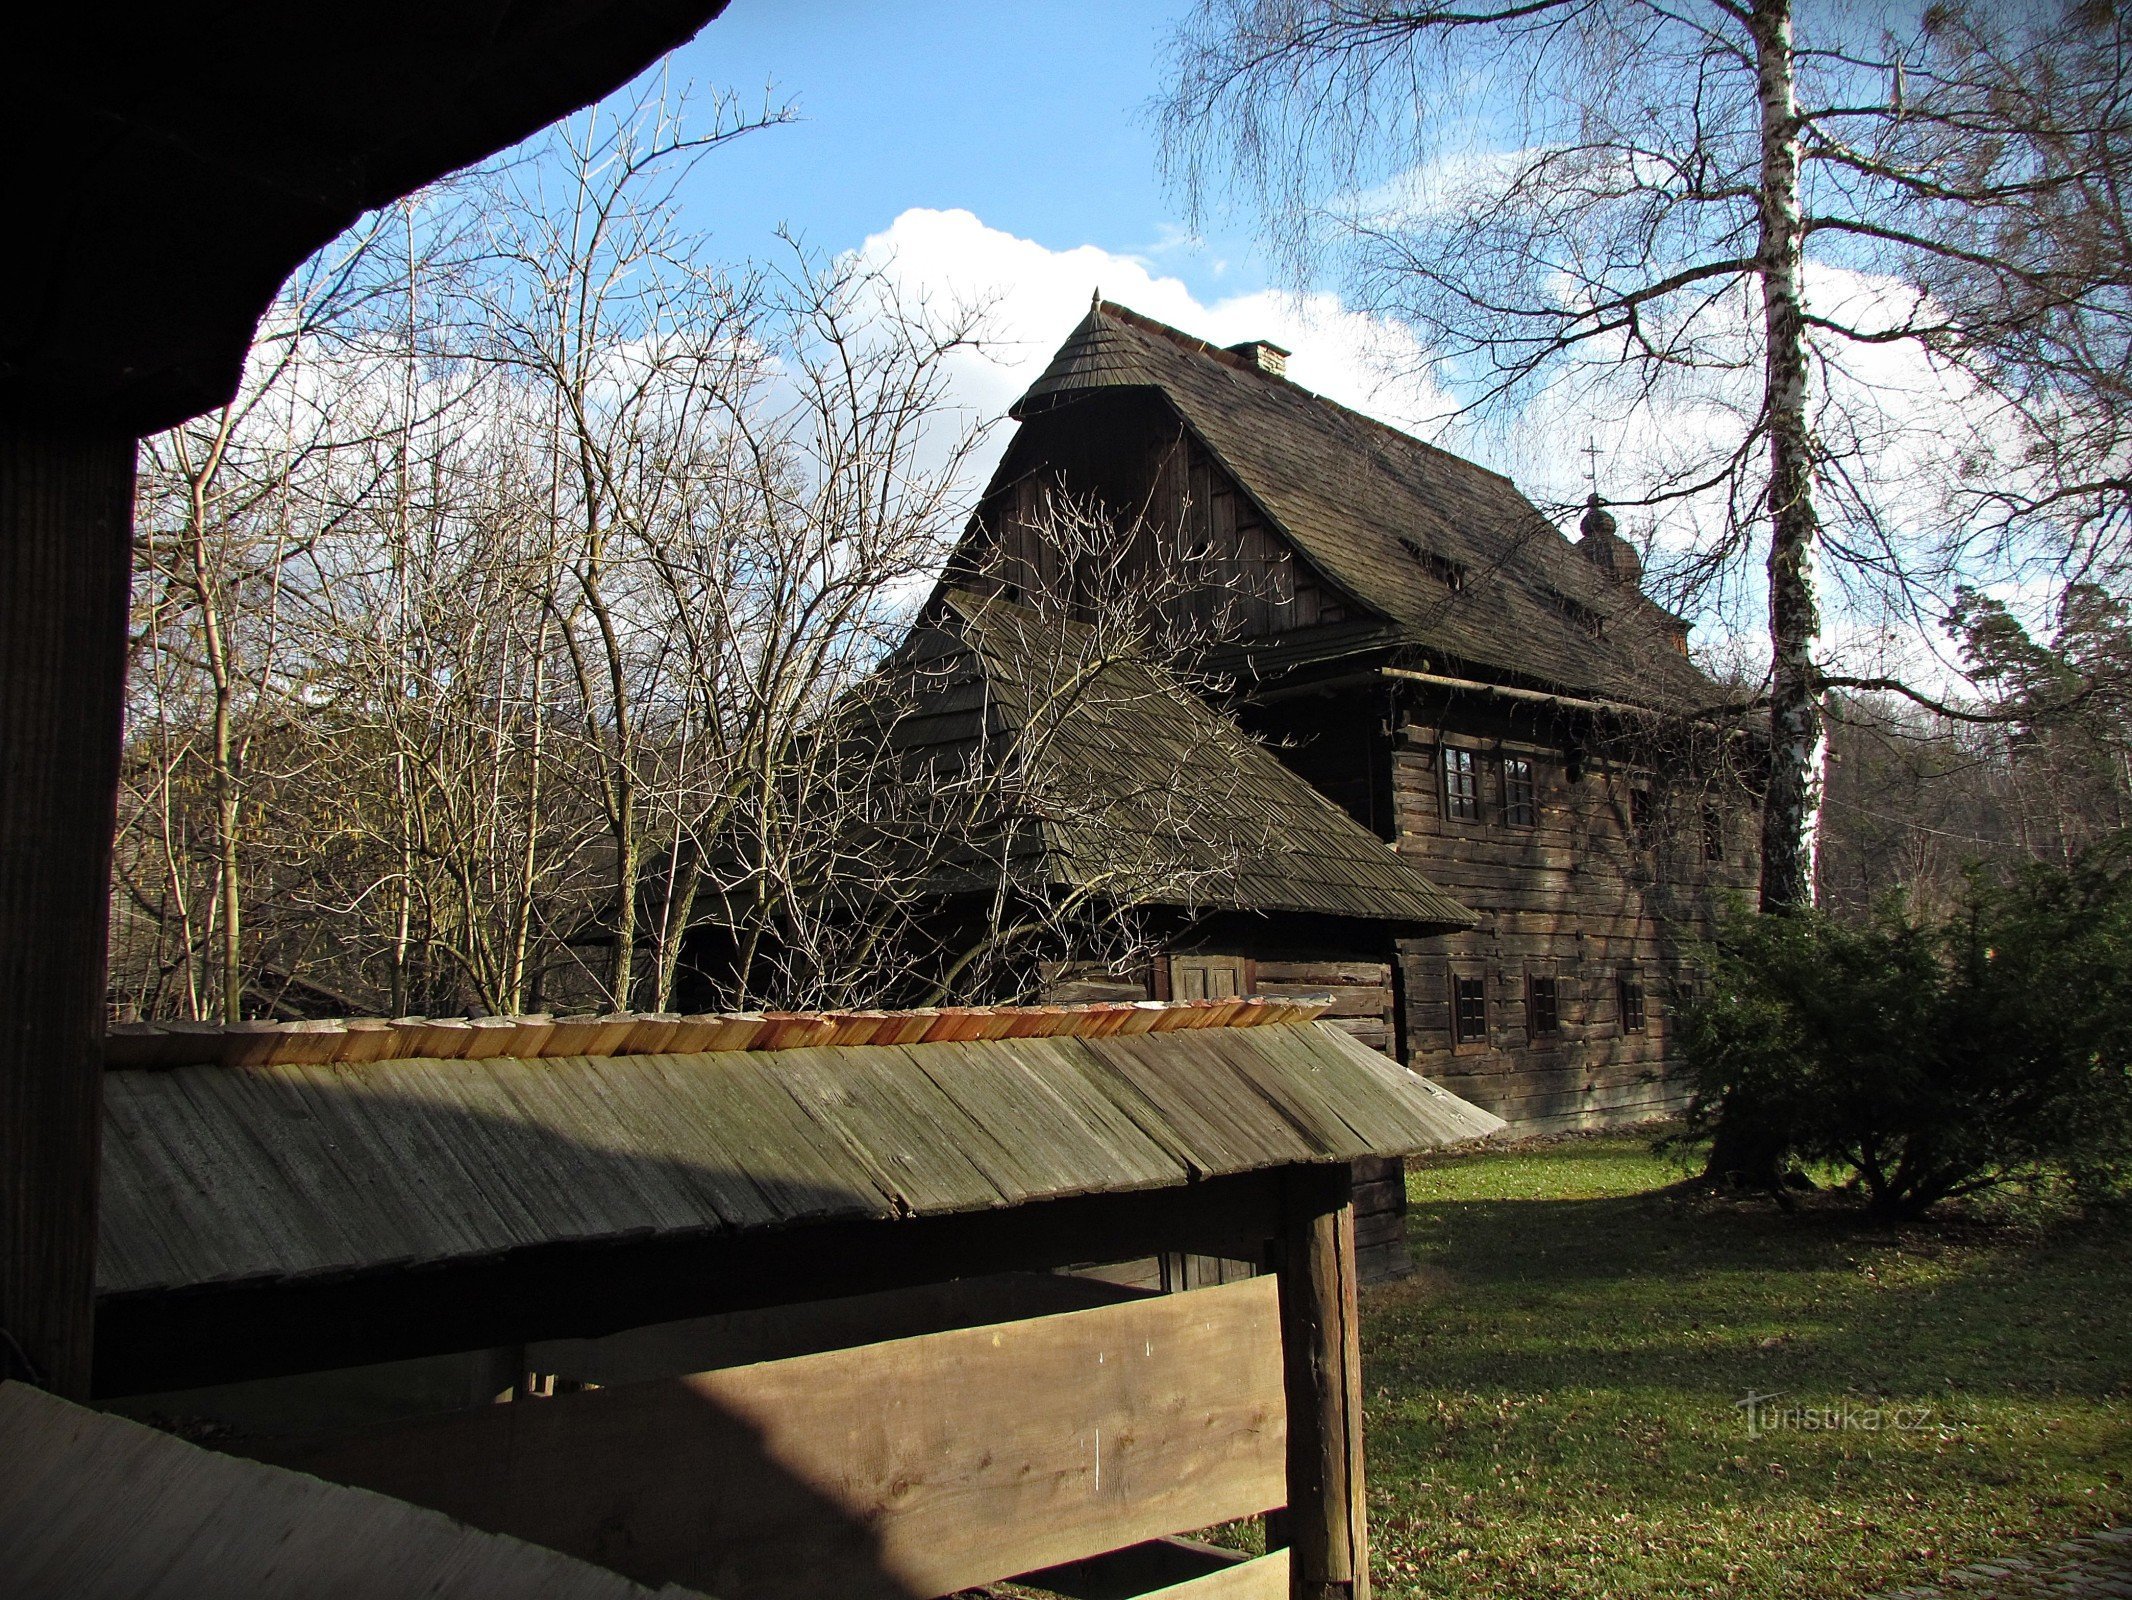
{"x":1632,"y":1000}
{"x":1457,"y":979}
{"x":1537,"y":983}
{"x":1643,"y":813}
{"x":1520,"y":812}
{"x":1467,"y":762}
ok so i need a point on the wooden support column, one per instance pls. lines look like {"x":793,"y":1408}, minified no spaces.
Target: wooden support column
{"x":1321,"y":1356}
{"x":66,"y":516}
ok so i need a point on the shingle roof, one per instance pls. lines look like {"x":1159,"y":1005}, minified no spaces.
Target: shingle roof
{"x":1374,"y":509}
{"x":1132,"y":778}
{"x":220,"y":1175}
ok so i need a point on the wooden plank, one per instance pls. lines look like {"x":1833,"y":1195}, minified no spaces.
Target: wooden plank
{"x":630,"y":1172}
{"x":779,"y":1333}
{"x":1032,"y":1139}
{"x":95,"y":1507}
{"x":1264,"y":1578}
{"x":695,"y":1149}
{"x":911,"y":1138}
{"x":1135,"y":1154}
{"x":745,"y":1108}
{"x":1211,"y":1109}
{"x":66,"y":505}
{"x":333,"y":1136}
{"x":912,"y":1467}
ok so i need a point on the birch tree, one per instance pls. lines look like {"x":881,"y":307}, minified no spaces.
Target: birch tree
{"x":1715,"y":227}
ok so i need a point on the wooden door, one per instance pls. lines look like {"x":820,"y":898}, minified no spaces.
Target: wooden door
{"x":1207,"y":978}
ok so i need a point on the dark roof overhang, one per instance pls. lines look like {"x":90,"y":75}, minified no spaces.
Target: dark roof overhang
{"x":173,"y":164}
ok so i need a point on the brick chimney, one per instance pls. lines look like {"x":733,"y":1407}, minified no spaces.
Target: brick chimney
{"x":1267,"y":356}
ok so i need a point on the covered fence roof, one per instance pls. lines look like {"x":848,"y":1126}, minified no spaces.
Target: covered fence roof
{"x":282,"y":1171}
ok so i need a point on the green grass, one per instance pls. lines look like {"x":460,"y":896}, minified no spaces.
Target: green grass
{"x":1552,"y":1398}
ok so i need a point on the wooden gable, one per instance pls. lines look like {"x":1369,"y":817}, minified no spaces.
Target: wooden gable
{"x":1133,"y":457}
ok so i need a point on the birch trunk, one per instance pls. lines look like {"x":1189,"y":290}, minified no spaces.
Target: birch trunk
{"x":1798,"y":740}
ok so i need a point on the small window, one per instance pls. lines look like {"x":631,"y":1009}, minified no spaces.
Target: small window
{"x":1462,"y":790}
{"x":1632,"y":1011}
{"x":1520,"y":809}
{"x":1543,"y":1007}
{"x":1640,"y":814}
{"x":1469,"y":1010}
{"x":1713,"y":833}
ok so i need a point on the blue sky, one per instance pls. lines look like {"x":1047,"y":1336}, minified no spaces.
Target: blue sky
{"x":1031,"y":117}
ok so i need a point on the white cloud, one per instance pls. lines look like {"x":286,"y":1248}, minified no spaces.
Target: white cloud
{"x":1035,"y":295}
{"x":1911,"y":420}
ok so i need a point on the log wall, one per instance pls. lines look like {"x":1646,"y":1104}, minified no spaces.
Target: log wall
{"x":1603,"y":890}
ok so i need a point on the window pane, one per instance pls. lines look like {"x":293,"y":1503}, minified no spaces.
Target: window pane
{"x":1469,"y":1010}
{"x":1519,"y":808}
{"x":1462,"y":793}
{"x":1544,"y":1007}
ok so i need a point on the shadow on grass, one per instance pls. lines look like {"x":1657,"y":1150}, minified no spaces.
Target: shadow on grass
{"x":1664,"y":1289}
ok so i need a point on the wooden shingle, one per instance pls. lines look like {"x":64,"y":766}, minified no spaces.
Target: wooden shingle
{"x":1382,"y":516}
{"x":210,"y":1179}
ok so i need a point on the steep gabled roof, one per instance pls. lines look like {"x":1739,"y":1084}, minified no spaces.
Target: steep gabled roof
{"x":1389,"y":519}
{"x":1126,"y":775}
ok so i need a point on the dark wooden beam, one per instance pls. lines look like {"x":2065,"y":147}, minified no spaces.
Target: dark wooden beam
{"x":152,"y":1342}
{"x":66,"y":511}
{"x":1322,"y":1360}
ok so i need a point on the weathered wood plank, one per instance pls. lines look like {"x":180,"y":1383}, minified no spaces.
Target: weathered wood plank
{"x":912,"y":1467}
{"x":1264,"y":1578}
{"x":1322,"y":1368}
{"x":95,"y":1507}
{"x":915,"y":1140}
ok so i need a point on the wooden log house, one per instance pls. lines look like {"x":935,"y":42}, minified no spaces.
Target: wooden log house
{"x":794,"y":1302}
{"x":1416,"y":640}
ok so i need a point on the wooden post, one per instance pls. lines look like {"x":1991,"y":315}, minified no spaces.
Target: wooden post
{"x":1321,"y":1355}
{"x":66,"y":513}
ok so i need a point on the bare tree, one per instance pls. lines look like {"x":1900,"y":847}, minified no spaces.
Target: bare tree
{"x":1009,"y":796}
{"x":1716,"y":227}
{"x":227,"y":531}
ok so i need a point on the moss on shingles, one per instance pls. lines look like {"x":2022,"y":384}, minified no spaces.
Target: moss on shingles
{"x":1554,"y":1397}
